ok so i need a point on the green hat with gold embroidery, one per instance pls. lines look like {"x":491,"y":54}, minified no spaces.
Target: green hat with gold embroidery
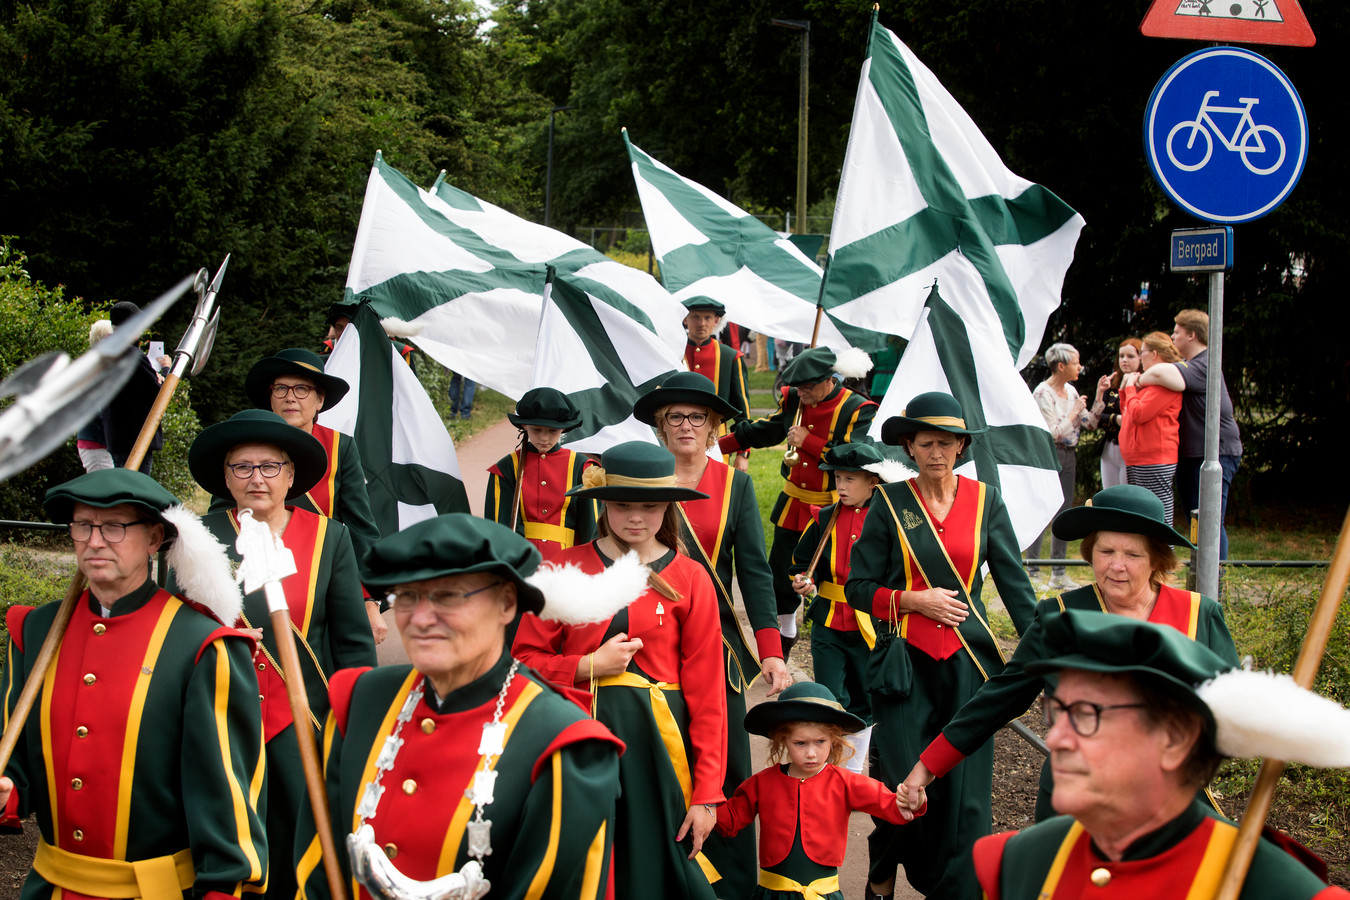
{"x":804,"y":701}
{"x":635,"y":472}
{"x":106,"y":488}
{"x":1127,"y":508}
{"x":294,"y":361}
{"x":546,"y":407}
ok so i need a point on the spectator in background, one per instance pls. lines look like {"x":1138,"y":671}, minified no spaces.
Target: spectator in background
{"x":1148,"y":431}
{"x":1191,"y":337}
{"x":127,"y":412}
{"x":89,"y":440}
{"x":461,"y":396}
{"x":1066,"y":413}
{"x":1107,"y":410}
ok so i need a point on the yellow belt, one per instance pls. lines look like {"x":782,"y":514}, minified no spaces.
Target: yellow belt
{"x":815,"y":498}
{"x":542,"y":531}
{"x":813,"y":891}
{"x":160,"y":878}
{"x":834,"y":592}
{"x":671,"y":738}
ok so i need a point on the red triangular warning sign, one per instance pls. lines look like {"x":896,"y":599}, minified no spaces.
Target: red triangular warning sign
{"x":1230,"y":21}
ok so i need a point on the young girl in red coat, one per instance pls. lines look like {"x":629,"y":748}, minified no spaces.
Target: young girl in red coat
{"x":806,"y":726}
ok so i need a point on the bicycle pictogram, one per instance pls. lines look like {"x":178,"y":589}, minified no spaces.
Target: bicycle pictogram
{"x":1247,"y":139}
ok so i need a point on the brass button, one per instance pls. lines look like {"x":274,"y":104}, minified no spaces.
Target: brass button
{"x":261,"y":666}
{"x":100,"y":628}
{"x":78,"y":835}
{"x":853,"y":536}
{"x":697,"y":366}
{"x":81,"y":732}
{"x":76,"y":783}
{"x":939,"y":625}
{"x":261,"y":698}
{"x":1101,"y":877}
{"x":543,"y":482}
{"x":409,"y":786}
{"x":90,"y":679}
{"x":428,"y":726}
{"x":543,"y":512}
{"x":391,"y":850}
{"x":810,"y":428}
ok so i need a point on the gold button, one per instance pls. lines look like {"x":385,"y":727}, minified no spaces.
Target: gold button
{"x":391,"y":850}
{"x":543,"y":482}
{"x":409,"y":786}
{"x":810,"y":428}
{"x":939,"y":625}
{"x":853,"y":536}
{"x":261,"y":698}
{"x":100,"y":628}
{"x":76,"y":783}
{"x":1101,"y":877}
{"x":697,"y":366}
{"x":428,"y":726}
{"x":261,"y":666}
{"x":90,"y":679}
{"x":78,"y":835}
{"x":81,"y":732}
{"x":543,"y":512}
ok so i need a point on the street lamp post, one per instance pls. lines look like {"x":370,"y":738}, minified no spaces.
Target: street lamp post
{"x":548,"y":175}
{"x":804,"y":26}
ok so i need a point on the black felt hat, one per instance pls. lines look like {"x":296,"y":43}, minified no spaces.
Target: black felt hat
{"x":805,"y":701}
{"x":206,"y":456}
{"x":693,"y":388}
{"x":546,"y":407}
{"x":293,"y":361}
{"x":634,"y":471}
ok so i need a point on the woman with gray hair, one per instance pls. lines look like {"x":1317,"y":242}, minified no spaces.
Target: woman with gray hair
{"x":1066,"y":413}
{"x":89,"y":440}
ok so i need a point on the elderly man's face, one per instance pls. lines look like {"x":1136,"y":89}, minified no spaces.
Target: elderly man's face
{"x":298,"y":411}
{"x":115,"y":569}
{"x":815,"y":393}
{"x":454,"y":628}
{"x":701,"y":325}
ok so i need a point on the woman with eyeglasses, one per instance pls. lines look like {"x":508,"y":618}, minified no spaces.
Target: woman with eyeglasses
{"x":255,"y":460}
{"x":1129,"y":543}
{"x":723,"y":532}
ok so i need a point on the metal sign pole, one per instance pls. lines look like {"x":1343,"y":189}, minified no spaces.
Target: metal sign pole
{"x":1211,"y":476}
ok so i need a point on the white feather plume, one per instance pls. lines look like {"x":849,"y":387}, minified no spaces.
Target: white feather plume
{"x":398,"y":328}
{"x":853,"y":363}
{"x":575,"y":598}
{"x":201,"y":566}
{"x":891,"y":470}
{"x":1262,"y":714}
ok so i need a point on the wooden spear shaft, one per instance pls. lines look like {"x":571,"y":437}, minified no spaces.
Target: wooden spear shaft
{"x":824,"y":539}
{"x":1305,"y":671}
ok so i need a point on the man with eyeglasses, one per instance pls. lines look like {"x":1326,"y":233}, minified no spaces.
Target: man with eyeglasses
{"x":1138,"y":724}
{"x":142,"y":755}
{"x":722,"y":365}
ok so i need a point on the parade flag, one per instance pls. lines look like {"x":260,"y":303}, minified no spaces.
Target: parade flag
{"x":710,"y":247}
{"x":470,"y":277}
{"x":924,"y":197}
{"x":1016,"y":454}
{"x":412,"y":472}
{"x":601,"y":359}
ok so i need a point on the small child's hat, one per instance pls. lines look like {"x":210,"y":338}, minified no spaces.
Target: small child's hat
{"x":805,"y":701}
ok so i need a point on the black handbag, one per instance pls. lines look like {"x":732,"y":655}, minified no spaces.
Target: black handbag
{"x":889,"y":671}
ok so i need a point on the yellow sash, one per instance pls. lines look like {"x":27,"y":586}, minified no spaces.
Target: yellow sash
{"x":542,"y":531}
{"x":835,"y":594}
{"x":813,"y":891}
{"x":159,"y":878}
{"x":815,"y":498}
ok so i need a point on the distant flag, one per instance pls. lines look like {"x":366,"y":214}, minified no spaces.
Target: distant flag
{"x":471,"y":276}
{"x":412,"y":472}
{"x":924,"y":197}
{"x":709,"y":246}
{"x":603,"y":361}
{"x":1016,"y":454}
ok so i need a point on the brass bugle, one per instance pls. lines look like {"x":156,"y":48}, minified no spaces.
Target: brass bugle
{"x":790,"y":456}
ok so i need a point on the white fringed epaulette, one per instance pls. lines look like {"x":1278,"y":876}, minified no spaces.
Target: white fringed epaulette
{"x":201,"y":565}
{"x":891,"y":471}
{"x":398,"y":328}
{"x":852,"y":363}
{"x":1262,"y":714}
{"x":574,"y":598}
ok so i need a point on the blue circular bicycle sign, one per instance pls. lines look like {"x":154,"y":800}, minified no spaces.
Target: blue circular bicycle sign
{"x":1226,"y":135}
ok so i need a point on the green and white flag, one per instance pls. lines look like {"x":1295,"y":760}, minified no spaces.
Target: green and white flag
{"x":1016,"y":454}
{"x":412,"y":472}
{"x":923,"y":197}
{"x":603,"y":360}
{"x":710,"y":247}
{"x":470,"y":277}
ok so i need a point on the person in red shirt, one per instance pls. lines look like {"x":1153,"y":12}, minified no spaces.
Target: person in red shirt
{"x":1149,"y":429}
{"x":655,"y":672}
{"x":808,"y":727}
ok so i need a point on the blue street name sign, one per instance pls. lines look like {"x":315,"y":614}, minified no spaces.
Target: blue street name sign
{"x":1226,"y":135}
{"x":1202,"y":249}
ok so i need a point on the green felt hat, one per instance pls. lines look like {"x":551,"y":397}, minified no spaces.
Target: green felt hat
{"x":805,"y":701}
{"x":455,"y":544}
{"x":1100,"y":642}
{"x":636,"y":472}
{"x":106,"y":488}
{"x":1128,"y":508}
{"x":546,"y":407}
{"x":852,"y":457}
{"x":294,"y":361}
{"x":810,"y":367}
{"x":693,"y":388}
{"x":206,"y":456}
{"x":704,"y":304}
{"x":933,"y":411}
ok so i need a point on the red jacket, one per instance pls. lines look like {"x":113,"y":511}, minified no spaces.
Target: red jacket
{"x":1149,"y":429}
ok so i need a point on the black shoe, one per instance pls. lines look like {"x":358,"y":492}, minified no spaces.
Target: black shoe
{"x":787,"y":647}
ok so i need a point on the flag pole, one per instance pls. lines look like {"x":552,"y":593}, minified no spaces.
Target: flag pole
{"x":190,"y":347}
{"x":1305,"y":672}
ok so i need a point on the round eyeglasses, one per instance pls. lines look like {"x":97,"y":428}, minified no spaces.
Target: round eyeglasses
{"x":244,"y":471}
{"x":301,"y":391}
{"x":1084,"y":717}
{"x":111,"y":532}
{"x":675,"y":420}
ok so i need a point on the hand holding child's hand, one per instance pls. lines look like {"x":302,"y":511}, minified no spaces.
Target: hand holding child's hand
{"x":903,"y":801}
